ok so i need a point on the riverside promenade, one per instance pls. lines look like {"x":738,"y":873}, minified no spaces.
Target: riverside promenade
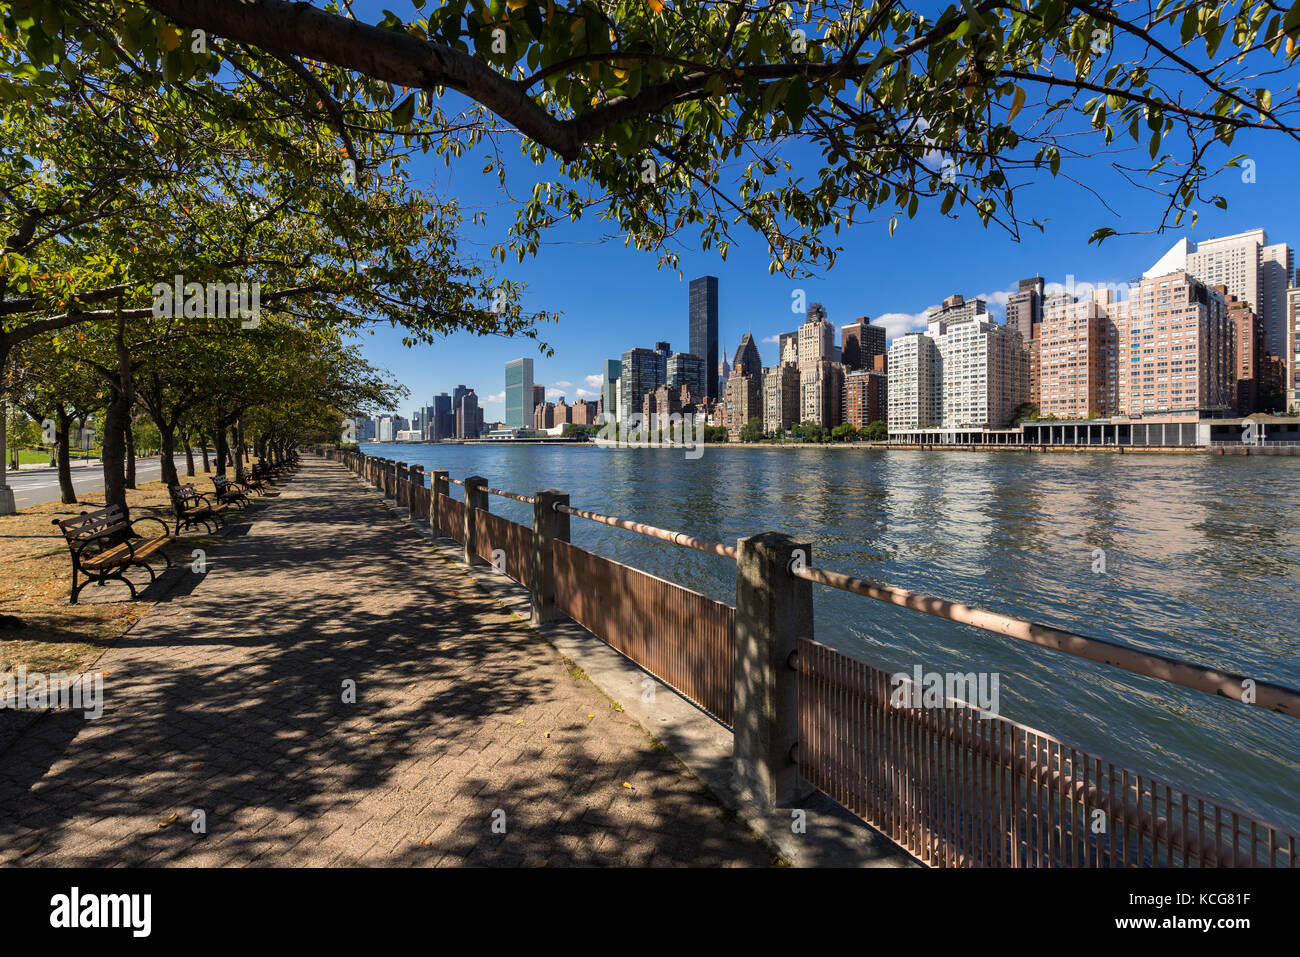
{"x":470,"y":742}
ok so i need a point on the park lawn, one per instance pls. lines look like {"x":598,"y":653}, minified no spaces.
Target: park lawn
{"x":36,"y":580}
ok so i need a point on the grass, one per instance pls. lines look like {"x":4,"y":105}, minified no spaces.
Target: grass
{"x":36,"y":570}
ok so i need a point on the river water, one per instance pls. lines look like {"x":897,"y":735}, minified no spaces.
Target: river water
{"x":1201,"y":561}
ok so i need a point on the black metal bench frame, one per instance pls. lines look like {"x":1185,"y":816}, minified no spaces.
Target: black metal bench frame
{"x":105,"y":529}
{"x":182,"y":496}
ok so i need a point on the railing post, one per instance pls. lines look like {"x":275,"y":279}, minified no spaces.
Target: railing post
{"x":417,"y":485}
{"x":773,"y":610}
{"x":475,"y":499}
{"x":438,"y":485}
{"x":549,"y":526}
{"x":401,"y":477}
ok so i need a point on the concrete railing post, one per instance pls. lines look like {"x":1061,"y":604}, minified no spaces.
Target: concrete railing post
{"x":773,"y":610}
{"x":439,"y":484}
{"x":475,"y":500}
{"x":417,"y":483}
{"x":549,"y":526}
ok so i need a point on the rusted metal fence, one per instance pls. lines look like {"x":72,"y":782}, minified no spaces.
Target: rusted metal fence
{"x":515,"y":540}
{"x":958,"y":787}
{"x":451,"y":517}
{"x":681,"y":636}
{"x":951,"y":784}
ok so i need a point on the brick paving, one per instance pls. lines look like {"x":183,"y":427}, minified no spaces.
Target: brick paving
{"x":228,"y":699}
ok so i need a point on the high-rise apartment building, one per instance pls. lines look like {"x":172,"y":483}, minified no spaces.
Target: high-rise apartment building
{"x":703,"y":310}
{"x":956,"y":308}
{"x":644,"y":370}
{"x":1176,"y":349}
{"x":519,"y":394}
{"x":781,"y":403}
{"x":860,"y":342}
{"x":865,"y":397}
{"x":1025,"y":307}
{"x":1252,"y":269}
{"x":743,"y":399}
{"x":821,"y":393}
{"x":444,"y":420}
{"x":684,"y":369}
{"x":964,"y":371}
{"x":914,"y":383}
{"x":1248,"y":347}
{"x":1292,"y":353}
{"x":1075,"y":357}
{"x":816,"y":338}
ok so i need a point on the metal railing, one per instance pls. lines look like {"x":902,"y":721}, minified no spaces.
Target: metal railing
{"x":952,"y":785}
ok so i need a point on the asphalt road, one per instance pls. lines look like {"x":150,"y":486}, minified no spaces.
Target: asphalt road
{"x":35,"y":487}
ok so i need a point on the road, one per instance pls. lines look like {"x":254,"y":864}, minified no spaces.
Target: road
{"x":40,"y":486}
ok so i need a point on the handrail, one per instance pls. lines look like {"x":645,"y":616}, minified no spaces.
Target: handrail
{"x":677,"y":538}
{"x":526,"y":499}
{"x":1267,"y":695}
{"x":1271,"y":696}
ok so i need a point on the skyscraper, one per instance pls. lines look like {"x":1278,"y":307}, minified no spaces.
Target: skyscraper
{"x":1025,"y":307}
{"x":444,"y":420}
{"x":747,"y":357}
{"x":608,"y":386}
{"x":1251,"y":268}
{"x":860,"y":342}
{"x":687,"y":370}
{"x":519,"y":394}
{"x":703,"y":309}
{"x":644,"y":370}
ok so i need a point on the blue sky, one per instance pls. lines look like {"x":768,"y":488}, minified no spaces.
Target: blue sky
{"x":612,"y":298}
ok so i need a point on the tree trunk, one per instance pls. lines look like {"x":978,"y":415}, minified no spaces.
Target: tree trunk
{"x":130,"y":455}
{"x":203,"y":444}
{"x":221,"y":449}
{"x":189,"y":453}
{"x":113,"y":457}
{"x":239,"y":452}
{"x":166,"y":442}
{"x":62,"y":425}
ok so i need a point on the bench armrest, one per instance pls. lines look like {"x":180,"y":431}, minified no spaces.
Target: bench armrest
{"x":149,"y":518}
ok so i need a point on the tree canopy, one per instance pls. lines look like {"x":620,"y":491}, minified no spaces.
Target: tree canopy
{"x":672,"y":117}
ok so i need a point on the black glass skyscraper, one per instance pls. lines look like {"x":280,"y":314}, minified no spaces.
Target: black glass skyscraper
{"x":704,"y":326}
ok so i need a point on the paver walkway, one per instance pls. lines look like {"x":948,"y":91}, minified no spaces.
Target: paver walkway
{"x":229,"y":700}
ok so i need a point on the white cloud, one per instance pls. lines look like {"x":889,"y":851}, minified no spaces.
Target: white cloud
{"x":898,"y":323}
{"x":585,"y":394}
{"x":775,"y":340}
{"x":498,"y":397}
{"x":595,"y":381}
{"x":564,"y":385}
{"x":553,"y":393}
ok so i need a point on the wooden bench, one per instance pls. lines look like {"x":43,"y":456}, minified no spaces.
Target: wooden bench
{"x":228,"y":492}
{"x":104,"y":544}
{"x":194,"y":508}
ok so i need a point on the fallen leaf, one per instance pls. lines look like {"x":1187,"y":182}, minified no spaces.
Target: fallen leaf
{"x":628,"y":786}
{"x":591,"y":716}
{"x":29,"y":850}
{"x":170,"y":820}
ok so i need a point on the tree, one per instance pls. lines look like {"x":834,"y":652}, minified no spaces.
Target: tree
{"x":715,"y":433}
{"x":666,"y":118}
{"x":844,"y":432}
{"x":1025,"y":412}
{"x":809,"y":432}
{"x":752,"y":431}
{"x":877,"y":431}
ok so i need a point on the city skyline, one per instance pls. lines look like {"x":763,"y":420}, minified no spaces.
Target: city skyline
{"x":559,"y":381}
